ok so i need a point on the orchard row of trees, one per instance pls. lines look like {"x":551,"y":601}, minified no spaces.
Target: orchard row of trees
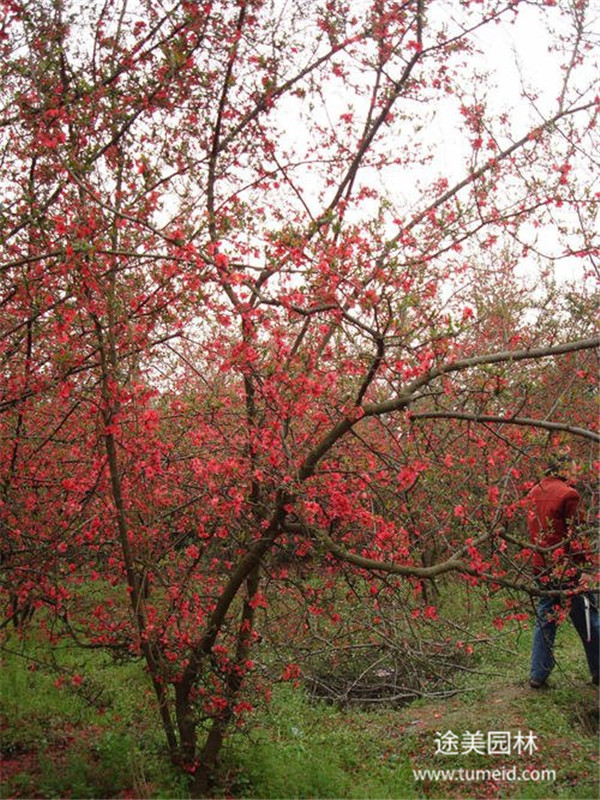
{"x":249,"y":317}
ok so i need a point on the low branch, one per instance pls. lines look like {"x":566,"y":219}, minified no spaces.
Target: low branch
{"x":453,"y":564}
{"x":524,"y":421}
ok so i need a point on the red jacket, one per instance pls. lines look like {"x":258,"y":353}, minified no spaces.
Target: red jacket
{"x":552,"y":510}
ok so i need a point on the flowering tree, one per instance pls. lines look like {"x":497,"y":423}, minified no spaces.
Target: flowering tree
{"x":248,"y":311}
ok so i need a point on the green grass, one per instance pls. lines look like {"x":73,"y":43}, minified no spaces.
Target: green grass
{"x":98,"y":738}
{"x":101,"y":738}
{"x":300,"y":750}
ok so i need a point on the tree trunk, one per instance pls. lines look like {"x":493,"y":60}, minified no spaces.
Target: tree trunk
{"x":206,"y":767}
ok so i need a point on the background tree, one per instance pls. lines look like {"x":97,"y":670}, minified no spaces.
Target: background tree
{"x":247,"y":314}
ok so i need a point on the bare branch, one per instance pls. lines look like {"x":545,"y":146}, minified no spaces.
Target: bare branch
{"x":524,"y":421}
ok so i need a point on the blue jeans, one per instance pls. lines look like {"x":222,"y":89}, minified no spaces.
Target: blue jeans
{"x":542,"y":658}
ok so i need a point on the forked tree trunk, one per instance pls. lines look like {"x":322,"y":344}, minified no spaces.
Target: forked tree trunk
{"x":208,"y":759}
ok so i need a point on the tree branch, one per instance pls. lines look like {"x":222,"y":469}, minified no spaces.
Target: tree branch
{"x":407,"y":396}
{"x":504,"y":356}
{"x":490,"y":164}
{"x":524,"y":421}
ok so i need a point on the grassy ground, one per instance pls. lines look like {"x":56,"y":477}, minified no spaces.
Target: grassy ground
{"x":98,"y":737}
{"x":305,"y":751}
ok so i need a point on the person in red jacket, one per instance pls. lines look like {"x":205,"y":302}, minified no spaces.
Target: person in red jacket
{"x":552,"y":518}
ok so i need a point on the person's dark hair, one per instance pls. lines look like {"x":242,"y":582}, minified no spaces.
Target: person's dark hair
{"x":557,"y":463}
